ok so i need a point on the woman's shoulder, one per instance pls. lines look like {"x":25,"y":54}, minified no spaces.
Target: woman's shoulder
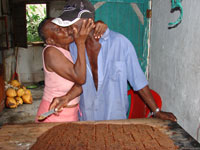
{"x":51,"y":49}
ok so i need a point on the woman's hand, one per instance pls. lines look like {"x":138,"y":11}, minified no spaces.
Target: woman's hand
{"x":100,"y":29}
{"x":81,"y":36}
{"x":58,"y":103}
{"x":166,"y":116}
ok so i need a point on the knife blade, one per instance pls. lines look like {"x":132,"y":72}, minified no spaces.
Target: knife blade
{"x":46,"y":114}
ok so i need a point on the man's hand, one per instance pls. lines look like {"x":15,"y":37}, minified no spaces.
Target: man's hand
{"x":100,"y":29}
{"x":145,"y":93}
{"x":166,"y":116}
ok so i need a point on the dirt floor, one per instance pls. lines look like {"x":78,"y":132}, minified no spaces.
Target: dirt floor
{"x":25,"y":113}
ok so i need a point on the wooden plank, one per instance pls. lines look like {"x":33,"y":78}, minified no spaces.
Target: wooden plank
{"x":23,"y":136}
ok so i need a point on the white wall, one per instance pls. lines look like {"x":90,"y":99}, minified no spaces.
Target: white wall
{"x":29,"y":64}
{"x":175,"y":61}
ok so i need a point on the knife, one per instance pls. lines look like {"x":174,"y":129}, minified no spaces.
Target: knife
{"x":46,"y":114}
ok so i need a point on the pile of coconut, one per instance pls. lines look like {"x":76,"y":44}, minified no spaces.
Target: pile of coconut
{"x":17,"y":94}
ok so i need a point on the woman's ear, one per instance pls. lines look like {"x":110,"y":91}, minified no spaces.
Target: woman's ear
{"x":50,"y":41}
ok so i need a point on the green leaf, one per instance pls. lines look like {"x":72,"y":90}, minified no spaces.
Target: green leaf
{"x":33,"y":19}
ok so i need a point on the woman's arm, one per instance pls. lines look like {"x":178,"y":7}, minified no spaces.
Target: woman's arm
{"x":56,"y":62}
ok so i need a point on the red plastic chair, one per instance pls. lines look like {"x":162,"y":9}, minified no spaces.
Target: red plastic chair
{"x":137,"y":108}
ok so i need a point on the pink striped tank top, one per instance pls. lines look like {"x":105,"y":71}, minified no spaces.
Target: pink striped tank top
{"x":55,"y":85}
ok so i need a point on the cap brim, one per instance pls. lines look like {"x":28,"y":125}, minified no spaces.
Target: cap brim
{"x":68,"y":18}
{"x":62,"y":23}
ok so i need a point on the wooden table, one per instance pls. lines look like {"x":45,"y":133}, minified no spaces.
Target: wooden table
{"x":23,"y":136}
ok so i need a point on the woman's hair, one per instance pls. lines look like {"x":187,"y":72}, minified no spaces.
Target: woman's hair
{"x":40,"y":29}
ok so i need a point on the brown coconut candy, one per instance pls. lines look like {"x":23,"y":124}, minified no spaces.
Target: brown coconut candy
{"x":101,"y":136}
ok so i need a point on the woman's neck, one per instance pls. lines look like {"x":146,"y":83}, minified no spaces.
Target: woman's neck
{"x":66,"y":47}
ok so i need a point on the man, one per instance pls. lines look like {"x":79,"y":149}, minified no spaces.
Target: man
{"x":111,"y":61}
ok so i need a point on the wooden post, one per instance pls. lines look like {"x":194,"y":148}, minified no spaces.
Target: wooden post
{"x":2,"y":88}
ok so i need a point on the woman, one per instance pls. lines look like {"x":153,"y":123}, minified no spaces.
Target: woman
{"x":63,"y":78}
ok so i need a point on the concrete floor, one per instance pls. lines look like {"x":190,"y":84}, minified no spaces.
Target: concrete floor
{"x":24,"y":113}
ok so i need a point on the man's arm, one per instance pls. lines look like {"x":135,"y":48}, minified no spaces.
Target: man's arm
{"x":100,"y":29}
{"x":145,"y":93}
{"x":138,"y":81}
{"x":60,"y":102}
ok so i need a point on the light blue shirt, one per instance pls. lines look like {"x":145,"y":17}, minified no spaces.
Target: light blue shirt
{"x":117,"y":63}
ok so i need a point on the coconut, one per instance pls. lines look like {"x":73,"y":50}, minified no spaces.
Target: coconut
{"x":20,"y":92}
{"x":15,"y":83}
{"x":11,"y":102}
{"x":28,"y":92}
{"x":19,"y":100}
{"x":10,"y":92}
{"x":27,"y":98}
